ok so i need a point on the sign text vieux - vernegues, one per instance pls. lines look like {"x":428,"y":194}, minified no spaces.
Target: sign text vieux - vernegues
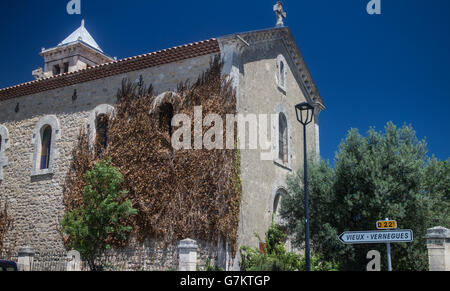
{"x":367,"y":237}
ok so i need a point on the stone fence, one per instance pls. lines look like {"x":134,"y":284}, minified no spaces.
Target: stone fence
{"x":189,"y":255}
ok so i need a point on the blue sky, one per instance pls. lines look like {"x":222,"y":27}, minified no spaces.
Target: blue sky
{"x":370,"y":69}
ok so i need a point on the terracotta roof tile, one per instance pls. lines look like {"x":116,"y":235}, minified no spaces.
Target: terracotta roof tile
{"x":126,"y":65}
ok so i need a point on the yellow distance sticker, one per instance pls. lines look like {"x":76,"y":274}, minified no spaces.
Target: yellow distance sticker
{"x":391,"y":224}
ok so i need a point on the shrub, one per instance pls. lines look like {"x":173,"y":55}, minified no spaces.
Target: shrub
{"x":102,"y":217}
{"x":272,"y":256}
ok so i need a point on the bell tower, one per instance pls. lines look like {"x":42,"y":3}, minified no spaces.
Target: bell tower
{"x":78,"y":51}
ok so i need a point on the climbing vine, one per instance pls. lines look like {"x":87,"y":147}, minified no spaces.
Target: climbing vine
{"x":5,"y":224}
{"x":178,"y":193}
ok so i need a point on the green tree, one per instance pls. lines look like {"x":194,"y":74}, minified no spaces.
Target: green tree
{"x":437,"y":185}
{"x":375,"y":177}
{"x":102,"y":218}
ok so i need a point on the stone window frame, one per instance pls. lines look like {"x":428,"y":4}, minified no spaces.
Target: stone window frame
{"x":275,"y":203}
{"x":282,"y":75}
{"x":53,"y":122}
{"x":91,"y":126}
{"x":5,"y":142}
{"x":287,"y":165}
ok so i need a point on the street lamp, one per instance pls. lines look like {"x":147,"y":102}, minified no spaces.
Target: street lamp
{"x":305,"y":115}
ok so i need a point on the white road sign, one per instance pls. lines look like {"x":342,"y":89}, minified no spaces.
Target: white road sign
{"x":377,"y":237}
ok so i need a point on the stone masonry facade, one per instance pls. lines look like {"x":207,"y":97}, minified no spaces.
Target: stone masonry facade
{"x":35,"y":199}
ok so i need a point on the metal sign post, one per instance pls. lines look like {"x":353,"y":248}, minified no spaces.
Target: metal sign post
{"x":389,"y":257}
{"x":389,"y":253}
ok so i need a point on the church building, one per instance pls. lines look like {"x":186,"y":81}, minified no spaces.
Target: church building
{"x":40,"y":121}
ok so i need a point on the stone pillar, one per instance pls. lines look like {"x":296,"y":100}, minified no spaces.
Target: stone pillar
{"x":74,"y":261}
{"x":187,"y":255}
{"x":438,"y":243}
{"x":25,"y":259}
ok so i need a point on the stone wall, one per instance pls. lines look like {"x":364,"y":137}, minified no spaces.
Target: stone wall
{"x":36,"y":202}
{"x":186,"y":255}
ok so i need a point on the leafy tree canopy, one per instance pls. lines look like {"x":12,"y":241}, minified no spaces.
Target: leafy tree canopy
{"x":378,"y":176}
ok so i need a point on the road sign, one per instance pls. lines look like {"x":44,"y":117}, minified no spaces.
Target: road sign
{"x":377,"y":237}
{"x":384,"y":224}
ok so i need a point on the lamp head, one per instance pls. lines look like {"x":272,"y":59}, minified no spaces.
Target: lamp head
{"x":305,"y":113}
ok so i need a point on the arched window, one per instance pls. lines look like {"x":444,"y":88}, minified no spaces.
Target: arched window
{"x":101,"y":129}
{"x":283,"y":150}
{"x":276,"y":217}
{"x":4,"y":144}
{"x":46,"y":143}
{"x":45,"y":135}
{"x":97,"y":125}
{"x":282,"y":79}
{"x":282,"y":72}
{"x":1,"y":157}
{"x":165,"y":118}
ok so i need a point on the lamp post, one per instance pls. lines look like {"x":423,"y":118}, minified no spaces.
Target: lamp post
{"x":305,"y":115}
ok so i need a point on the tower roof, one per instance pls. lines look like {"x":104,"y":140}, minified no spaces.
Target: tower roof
{"x":81,"y":34}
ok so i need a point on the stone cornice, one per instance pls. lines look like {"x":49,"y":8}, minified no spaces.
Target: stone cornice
{"x":76,"y":45}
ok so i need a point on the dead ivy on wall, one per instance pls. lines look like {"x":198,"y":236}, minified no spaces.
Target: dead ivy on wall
{"x":179,"y":194}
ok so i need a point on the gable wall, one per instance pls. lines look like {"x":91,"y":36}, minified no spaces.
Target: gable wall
{"x":259,"y":94}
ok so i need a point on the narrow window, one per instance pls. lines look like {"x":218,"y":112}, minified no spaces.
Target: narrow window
{"x":45,"y":134}
{"x":283,"y":138}
{"x":56,"y":70}
{"x":102,"y":133}
{"x":1,"y":157}
{"x":46,"y":139}
{"x":0,"y":151}
{"x":276,"y":216}
{"x":282,"y":75}
{"x":276,"y":208}
{"x":165,"y":118}
{"x":3,"y":147}
{"x":66,"y":67}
